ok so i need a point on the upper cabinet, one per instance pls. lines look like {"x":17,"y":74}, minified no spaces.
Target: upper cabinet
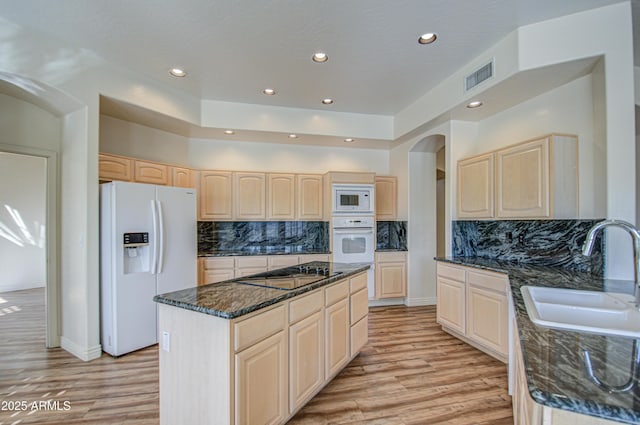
{"x":386,"y":197}
{"x":309,"y":197}
{"x":475,"y":187}
{"x":216,"y":195}
{"x":249,"y":196}
{"x":182,"y":177}
{"x":151,"y":172}
{"x":281,"y":196}
{"x":112,"y":167}
{"x":533,"y":179}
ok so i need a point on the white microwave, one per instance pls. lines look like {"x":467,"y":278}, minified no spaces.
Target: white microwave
{"x":353,"y":199}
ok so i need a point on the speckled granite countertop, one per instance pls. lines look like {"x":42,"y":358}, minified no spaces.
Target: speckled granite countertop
{"x":264,"y":251}
{"x":554,"y":363}
{"x":231,"y":299}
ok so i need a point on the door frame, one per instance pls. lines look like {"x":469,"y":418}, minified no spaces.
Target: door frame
{"x":52,"y":285}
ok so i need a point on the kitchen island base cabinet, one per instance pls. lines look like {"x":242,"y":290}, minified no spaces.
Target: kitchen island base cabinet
{"x":262,"y":367}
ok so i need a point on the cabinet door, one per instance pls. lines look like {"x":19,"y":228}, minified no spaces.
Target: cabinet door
{"x":309,"y":197}
{"x":181,"y":177}
{"x":151,"y":172}
{"x":306,"y":354}
{"x":391,"y":280}
{"x":280,"y":197}
{"x":114,"y":168}
{"x":216,"y":275}
{"x":215,"y":195}
{"x":336,"y":337}
{"x":487,"y":319}
{"x":522,"y":183}
{"x":386,"y":198}
{"x":475,"y":187}
{"x":450,"y":305}
{"x":249,"y":194}
{"x":261,"y":382}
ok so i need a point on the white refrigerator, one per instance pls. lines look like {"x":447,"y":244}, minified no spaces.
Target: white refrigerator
{"x":147,"y":246}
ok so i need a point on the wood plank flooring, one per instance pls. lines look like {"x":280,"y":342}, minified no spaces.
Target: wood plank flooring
{"x":410,"y":373}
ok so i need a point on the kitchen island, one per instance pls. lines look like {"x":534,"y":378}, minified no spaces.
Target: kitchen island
{"x":257,"y":348}
{"x":557,"y":386}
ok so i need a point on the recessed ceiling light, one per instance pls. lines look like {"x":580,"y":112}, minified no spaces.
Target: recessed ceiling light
{"x":320,"y":57}
{"x":349,"y":140}
{"x":229,"y":132}
{"x":269,"y":92}
{"x":327,"y":101}
{"x":474,"y":104}
{"x":427,"y":38}
{"x":177,"y":72}
{"x":293,"y":136}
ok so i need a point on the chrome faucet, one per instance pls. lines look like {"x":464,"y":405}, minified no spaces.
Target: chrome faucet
{"x":635,"y":235}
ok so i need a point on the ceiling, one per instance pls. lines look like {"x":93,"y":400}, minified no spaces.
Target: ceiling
{"x":233,"y":49}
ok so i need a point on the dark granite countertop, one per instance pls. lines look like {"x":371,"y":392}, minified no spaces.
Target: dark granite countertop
{"x":261,"y":251}
{"x":231,"y":299}
{"x":554,"y":363}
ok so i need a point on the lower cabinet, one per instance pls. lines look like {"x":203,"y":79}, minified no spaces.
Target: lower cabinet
{"x":306,"y":376}
{"x":261,"y":382}
{"x":391,"y":275}
{"x":472,"y":304}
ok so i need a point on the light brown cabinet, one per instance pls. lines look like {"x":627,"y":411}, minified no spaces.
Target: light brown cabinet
{"x":182,"y":177}
{"x":386,"y":197}
{"x":216,"y":195}
{"x":216,"y":269}
{"x":111,"y":167}
{"x":281,"y":196}
{"x":337,"y":337}
{"x":473,"y":306}
{"x":533,"y":179}
{"x":249,"y":191}
{"x":391,"y":275}
{"x":475,"y":187}
{"x":309,"y":204}
{"x":150,"y":172}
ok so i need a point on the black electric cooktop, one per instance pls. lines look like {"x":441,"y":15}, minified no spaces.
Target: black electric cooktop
{"x":292,"y":277}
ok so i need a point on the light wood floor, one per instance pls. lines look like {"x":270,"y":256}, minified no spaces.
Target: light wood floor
{"x":410,"y":373}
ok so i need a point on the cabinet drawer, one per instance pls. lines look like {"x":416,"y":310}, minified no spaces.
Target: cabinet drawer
{"x":280,"y":261}
{"x":358,"y":282}
{"x":391,"y":257}
{"x":336,"y":292}
{"x":359,"y":335}
{"x":217,"y":275}
{"x":248,"y":271}
{"x":245,"y":262}
{"x":305,"y":306}
{"x":258,"y":327}
{"x":218,"y":263}
{"x":451,"y":272}
{"x":495,"y":282}
{"x":359,"y":305}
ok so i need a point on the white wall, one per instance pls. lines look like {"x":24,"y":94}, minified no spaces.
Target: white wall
{"x":258,"y":156}
{"x":22,"y":232}
{"x":125,"y":138}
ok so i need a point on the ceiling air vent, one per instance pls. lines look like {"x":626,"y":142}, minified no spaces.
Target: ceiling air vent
{"x":478,"y":76}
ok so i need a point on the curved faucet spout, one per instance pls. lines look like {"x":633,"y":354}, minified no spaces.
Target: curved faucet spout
{"x":635,"y":235}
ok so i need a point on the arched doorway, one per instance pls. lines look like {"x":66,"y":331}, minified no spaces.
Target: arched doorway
{"x":426,"y":214}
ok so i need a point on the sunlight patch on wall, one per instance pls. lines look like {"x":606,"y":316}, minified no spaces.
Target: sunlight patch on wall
{"x":23,"y":235}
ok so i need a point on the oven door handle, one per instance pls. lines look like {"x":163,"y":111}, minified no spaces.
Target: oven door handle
{"x":353,"y":231}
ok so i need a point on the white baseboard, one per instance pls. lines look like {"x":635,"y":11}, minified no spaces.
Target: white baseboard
{"x":386,"y":302}
{"x":18,"y":287}
{"x":415,"y":302}
{"x":80,"y":352}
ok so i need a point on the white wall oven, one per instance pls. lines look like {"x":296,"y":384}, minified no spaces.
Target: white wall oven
{"x":352,"y":199}
{"x":354,"y":242}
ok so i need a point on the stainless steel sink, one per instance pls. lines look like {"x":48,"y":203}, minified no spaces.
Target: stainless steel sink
{"x":586,"y":311}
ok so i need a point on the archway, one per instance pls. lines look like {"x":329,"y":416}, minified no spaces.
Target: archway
{"x":423,"y":218}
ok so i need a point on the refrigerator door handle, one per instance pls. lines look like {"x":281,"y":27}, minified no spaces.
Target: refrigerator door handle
{"x":154,"y":256}
{"x":161,"y":233}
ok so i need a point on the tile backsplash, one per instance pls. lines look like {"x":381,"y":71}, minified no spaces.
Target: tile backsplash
{"x":263,"y":236}
{"x":542,"y":242}
{"x":391,"y":235}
